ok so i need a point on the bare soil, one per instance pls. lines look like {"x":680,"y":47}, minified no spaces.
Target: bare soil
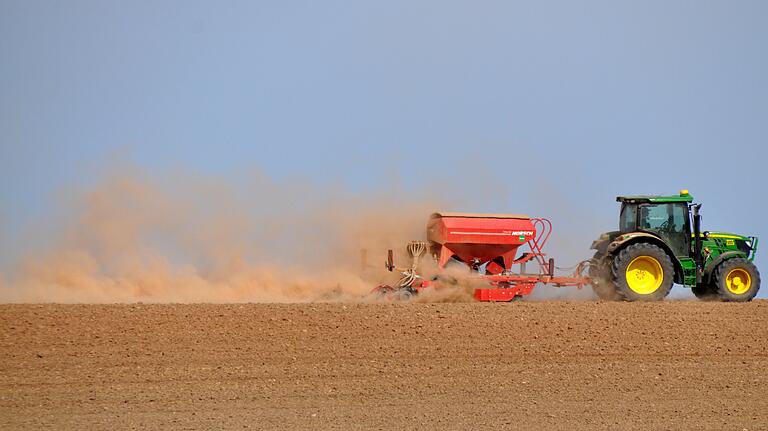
{"x":526,"y":365}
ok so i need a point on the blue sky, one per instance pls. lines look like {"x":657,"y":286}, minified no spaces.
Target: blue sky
{"x":544,"y":107}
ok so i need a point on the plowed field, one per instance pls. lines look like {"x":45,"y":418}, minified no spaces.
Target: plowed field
{"x":526,"y":365}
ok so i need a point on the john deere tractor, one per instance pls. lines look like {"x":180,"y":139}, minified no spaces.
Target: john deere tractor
{"x":659,"y":242}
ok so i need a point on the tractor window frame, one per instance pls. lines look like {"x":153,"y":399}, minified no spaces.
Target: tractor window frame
{"x":628,"y":217}
{"x":672,"y":224}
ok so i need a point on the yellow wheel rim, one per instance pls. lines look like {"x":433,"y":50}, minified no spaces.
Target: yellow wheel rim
{"x":738,"y":281}
{"x":644,"y":275}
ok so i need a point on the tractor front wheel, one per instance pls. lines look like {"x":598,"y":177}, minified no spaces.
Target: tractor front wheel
{"x":736,"y":280}
{"x":643,"y":272}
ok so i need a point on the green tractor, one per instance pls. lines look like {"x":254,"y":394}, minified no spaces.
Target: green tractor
{"x":659,"y":242}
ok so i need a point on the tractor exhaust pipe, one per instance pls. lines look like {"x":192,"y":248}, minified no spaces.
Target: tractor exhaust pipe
{"x":697,"y":257}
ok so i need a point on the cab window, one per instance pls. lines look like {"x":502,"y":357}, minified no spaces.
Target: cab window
{"x":663,"y":217}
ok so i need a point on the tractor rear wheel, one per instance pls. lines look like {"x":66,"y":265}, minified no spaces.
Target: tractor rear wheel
{"x":600,"y":278}
{"x":643,"y":272}
{"x":736,"y":280}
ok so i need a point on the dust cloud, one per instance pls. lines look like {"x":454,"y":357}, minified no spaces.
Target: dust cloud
{"x":182,"y":238}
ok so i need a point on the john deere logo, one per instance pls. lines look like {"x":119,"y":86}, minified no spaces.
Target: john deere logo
{"x":730,"y":242}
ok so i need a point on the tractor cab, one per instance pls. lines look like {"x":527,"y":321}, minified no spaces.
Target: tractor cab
{"x":667,"y":217}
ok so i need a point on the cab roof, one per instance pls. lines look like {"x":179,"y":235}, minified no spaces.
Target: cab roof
{"x":684,"y":196}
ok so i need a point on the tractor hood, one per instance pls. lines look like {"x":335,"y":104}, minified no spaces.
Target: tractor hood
{"x":724,"y":235}
{"x":747,"y":244}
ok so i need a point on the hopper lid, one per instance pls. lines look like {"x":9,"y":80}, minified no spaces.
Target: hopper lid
{"x":478,"y":215}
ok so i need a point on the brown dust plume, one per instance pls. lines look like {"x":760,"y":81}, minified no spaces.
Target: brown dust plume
{"x":136,"y":237}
